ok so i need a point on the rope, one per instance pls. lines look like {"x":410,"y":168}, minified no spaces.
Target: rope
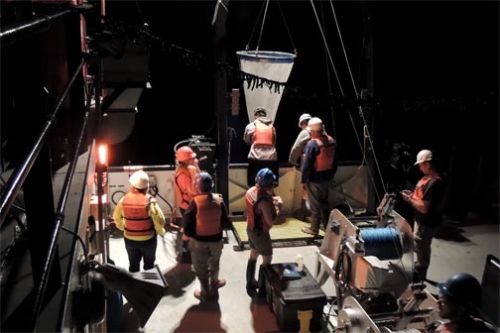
{"x":360,"y":109}
{"x":287,"y":30}
{"x":262,"y":27}
{"x":383,"y":243}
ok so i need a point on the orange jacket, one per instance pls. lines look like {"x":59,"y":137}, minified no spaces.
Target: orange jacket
{"x":263,"y":134}
{"x":254,"y":196}
{"x":208,"y":215}
{"x":138,"y":221}
{"x":326,"y":156}
{"x":183,"y":198}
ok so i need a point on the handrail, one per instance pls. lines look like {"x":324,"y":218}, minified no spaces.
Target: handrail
{"x":37,"y":24}
{"x":39,"y":296}
{"x":15,"y":182}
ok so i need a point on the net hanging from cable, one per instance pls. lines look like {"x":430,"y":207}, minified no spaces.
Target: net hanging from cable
{"x":265,"y":73}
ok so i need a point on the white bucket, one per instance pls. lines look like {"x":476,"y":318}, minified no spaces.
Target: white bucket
{"x":271,"y":65}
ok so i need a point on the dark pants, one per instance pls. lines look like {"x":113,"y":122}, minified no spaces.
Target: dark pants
{"x":255,"y":165}
{"x":139,"y":250}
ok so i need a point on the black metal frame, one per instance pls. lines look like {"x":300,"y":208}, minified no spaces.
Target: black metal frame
{"x":34,"y":178}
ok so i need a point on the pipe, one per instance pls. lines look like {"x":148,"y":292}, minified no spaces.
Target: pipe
{"x":38,"y":24}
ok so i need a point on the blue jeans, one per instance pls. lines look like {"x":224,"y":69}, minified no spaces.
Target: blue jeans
{"x":139,"y":250}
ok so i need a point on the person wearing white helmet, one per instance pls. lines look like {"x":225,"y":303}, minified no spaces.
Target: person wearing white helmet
{"x":317,"y":175}
{"x":295,"y":158}
{"x":260,"y":135}
{"x":140,"y":218}
{"x":427,"y":202}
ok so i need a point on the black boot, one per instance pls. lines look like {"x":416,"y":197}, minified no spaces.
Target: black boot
{"x":251,"y":282}
{"x":261,"y":282}
{"x":420,"y":273}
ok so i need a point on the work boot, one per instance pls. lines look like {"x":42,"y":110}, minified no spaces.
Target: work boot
{"x":420,"y":273}
{"x":251,"y":282}
{"x":203,"y":293}
{"x":261,"y":283}
{"x":310,"y":231}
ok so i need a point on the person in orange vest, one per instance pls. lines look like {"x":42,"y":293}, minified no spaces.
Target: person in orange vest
{"x":260,"y":135}
{"x":140,"y":218}
{"x":295,"y":158}
{"x":203,"y":222}
{"x":318,"y":170}
{"x":185,"y":173}
{"x":458,"y":304}
{"x":427,"y":200}
{"x":262,"y":211}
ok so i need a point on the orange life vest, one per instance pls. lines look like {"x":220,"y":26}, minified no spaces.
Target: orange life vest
{"x":137,"y":220}
{"x":421,"y":186}
{"x":326,"y":156}
{"x":208,"y":214}
{"x":252,"y":198}
{"x":263,"y":134}
{"x":183,"y":199}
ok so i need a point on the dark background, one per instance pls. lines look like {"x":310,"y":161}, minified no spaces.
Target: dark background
{"x":435,"y":69}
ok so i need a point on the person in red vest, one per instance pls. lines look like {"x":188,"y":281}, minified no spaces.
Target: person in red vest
{"x":260,"y":135}
{"x":427,"y":201}
{"x":319,"y":166}
{"x":262,"y":211}
{"x":140,"y":218}
{"x":203,"y":222}
{"x":185,"y":173}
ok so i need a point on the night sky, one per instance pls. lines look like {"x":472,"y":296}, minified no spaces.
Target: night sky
{"x":423,"y":52}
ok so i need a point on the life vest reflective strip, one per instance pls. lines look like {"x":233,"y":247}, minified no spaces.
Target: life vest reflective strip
{"x":252,"y":198}
{"x":208,"y":214}
{"x":137,"y":220}
{"x":263,"y":134}
{"x":326,"y":156}
{"x":183,"y":198}
{"x":421,"y":186}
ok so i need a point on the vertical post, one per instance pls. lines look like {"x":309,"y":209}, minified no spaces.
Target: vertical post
{"x":221,"y":103}
{"x":367,"y":94}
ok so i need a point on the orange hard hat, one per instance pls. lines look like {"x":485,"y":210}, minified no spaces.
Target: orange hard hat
{"x":184,"y":153}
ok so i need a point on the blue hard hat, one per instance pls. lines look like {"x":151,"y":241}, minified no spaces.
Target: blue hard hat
{"x":462,"y":288}
{"x":203,"y":182}
{"x":265,"y":178}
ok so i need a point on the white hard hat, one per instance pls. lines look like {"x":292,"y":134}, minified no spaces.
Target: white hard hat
{"x":139,"y":180}
{"x":303,"y":117}
{"x":424,"y":156}
{"x":315,"y":124}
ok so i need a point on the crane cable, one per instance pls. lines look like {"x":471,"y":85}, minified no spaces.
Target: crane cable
{"x":360,"y":110}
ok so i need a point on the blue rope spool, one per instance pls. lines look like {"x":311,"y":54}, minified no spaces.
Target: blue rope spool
{"x":383,"y":243}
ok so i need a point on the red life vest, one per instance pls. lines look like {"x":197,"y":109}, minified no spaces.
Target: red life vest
{"x":263,"y":134}
{"x":137,"y":220}
{"x":252,"y":198}
{"x":326,"y":156}
{"x":421,"y":186}
{"x":208,"y":214}
{"x":183,"y":198}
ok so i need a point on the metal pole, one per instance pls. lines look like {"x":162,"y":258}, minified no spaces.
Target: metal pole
{"x":221,"y":104}
{"x":36,"y":25}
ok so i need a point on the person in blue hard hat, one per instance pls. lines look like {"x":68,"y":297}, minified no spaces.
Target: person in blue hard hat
{"x":262,"y":211}
{"x":203,"y":222}
{"x":458,"y":304}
